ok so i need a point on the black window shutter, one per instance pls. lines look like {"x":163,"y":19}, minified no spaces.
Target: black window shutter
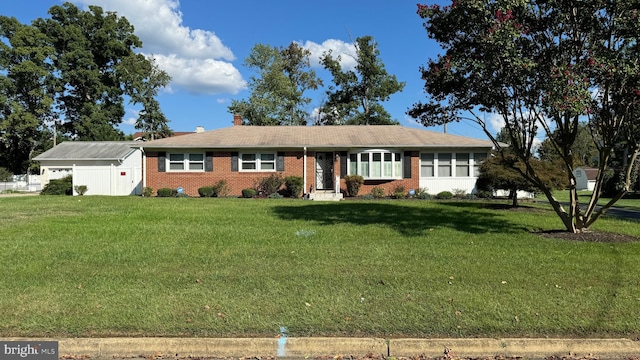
{"x":407,"y":165}
{"x":208,"y":161}
{"x":343,"y":164}
{"x":280,"y":161}
{"x":162,"y":161}
{"x":234,"y":161}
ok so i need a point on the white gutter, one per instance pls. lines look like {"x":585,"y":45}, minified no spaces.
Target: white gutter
{"x":304,"y":170}
{"x":144,"y":169}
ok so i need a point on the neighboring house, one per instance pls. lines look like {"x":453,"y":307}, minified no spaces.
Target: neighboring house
{"x":386,"y":156}
{"x":105,"y":167}
{"x":585,"y":178}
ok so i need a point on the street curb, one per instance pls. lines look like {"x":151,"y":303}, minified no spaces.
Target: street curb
{"x":153,"y":348}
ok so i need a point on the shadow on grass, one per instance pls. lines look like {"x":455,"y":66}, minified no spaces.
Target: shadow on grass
{"x":406,"y":219}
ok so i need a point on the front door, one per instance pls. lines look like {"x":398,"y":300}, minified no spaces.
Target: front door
{"x":324,"y":171}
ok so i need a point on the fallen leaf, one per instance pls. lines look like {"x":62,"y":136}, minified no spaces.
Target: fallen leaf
{"x":458,"y":313}
{"x":206,"y":307}
{"x":199,"y":281}
{"x":221,"y":315}
{"x":307,"y":304}
{"x":80,"y":286}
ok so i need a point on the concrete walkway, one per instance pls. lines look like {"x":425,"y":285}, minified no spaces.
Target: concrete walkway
{"x":179,"y":348}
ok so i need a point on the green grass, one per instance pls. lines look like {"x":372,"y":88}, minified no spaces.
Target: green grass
{"x":131,"y":266}
{"x":631,"y":202}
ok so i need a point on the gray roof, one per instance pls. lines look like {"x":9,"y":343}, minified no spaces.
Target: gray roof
{"x":346,"y":136}
{"x":89,"y":150}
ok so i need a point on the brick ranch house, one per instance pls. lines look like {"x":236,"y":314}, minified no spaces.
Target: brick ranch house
{"x":386,"y":156}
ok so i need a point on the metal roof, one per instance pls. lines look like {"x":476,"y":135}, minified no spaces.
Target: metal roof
{"x":89,"y":150}
{"x":345,"y":136}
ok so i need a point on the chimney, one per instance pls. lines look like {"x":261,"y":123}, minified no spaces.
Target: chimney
{"x":199,"y":129}
{"x":237,"y":120}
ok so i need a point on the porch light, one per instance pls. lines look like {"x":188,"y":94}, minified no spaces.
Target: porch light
{"x":337,"y":156}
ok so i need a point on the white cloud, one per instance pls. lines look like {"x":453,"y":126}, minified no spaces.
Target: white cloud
{"x":202,"y":76}
{"x":196,"y":59}
{"x":495,"y":122}
{"x":346,"y":51}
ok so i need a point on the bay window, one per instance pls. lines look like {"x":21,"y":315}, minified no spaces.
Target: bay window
{"x":376,"y":164}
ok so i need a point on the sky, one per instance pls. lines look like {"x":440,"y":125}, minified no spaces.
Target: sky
{"x":202,"y":45}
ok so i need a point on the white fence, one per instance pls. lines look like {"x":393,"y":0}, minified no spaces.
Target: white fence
{"x":29,"y":183}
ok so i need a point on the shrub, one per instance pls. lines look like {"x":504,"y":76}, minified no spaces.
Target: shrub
{"x":270,"y":184}
{"x":423,"y":196}
{"x":275,"y":195}
{"x":459,"y":193}
{"x":484,"y":194}
{"x":5,"y":175}
{"x":147,"y":191}
{"x":166,"y":192}
{"x":419,"y":192}
{"x":353,"y":183}
{"x":81,"y":189}
{"x":444,"y":195}
{"x":221,"y":189}
{"x":62,"y":186}
{"x":206,"y":191}
{"x":248,"y":193}
{"x":399,"y":192}
{"x":377,"y":192}
{"x":294,"y":185}
{"x":368,"y":197}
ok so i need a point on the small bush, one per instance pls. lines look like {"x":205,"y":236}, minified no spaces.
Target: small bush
{"x":377,"y":192}
{"x":294,"y":185}
{"x":484,"y":194}
{"x":270,"y":184}
{"x":81,"y":189}
{"x":166,"y":192}
{"x":147,"y":191}
{"x":470,"y":197}
{"x":423,"y":196}
{"x":419,"y":192}
{"x":206,"y":191}
{"x":353,"y":182}
{"x":368,"y":197}
{"x":248,"y":193}
{"x":399,"y":192}
{"x":5,"y":175}
{"x":62,"y":186}
{"x":221,"y":189}
{"x":459,"y":193}
{"x":444,"y":195}
{"x":275,"y":195}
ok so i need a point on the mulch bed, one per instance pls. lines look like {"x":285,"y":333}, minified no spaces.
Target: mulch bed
{"x":589,"y":236}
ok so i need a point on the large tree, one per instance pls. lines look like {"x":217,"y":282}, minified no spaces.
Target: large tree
{"x":356,"y":96}
{"x":25,"y":97}
{"x":277,"y":90}
{"x":146,"y":79}
{"x":540,"y":64}
{"x":88,"y":72}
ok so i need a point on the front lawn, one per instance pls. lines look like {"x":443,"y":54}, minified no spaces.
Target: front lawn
{"x":131,"y":266}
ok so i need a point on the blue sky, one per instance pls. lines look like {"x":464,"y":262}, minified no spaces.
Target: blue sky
{"x":202,"y":44}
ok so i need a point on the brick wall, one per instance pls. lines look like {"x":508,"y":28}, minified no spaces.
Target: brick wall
{"x":238,"y":180}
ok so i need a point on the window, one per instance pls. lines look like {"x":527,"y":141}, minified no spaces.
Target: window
{"x":376,"y":164}
{"x":186,"y":162}
{"x":426,"y":165}
{"x":444,"y":165}
{"x":258,"y":162}
{"x":462,"y":164}
{"x":478,"y":158}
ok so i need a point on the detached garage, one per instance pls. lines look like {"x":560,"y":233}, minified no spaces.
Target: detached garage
{"x":105,"y":167}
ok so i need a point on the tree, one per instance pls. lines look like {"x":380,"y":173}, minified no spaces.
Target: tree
{"x":356,"y":96}
{"x":145,"y":81}
{"x":277,"y":91}
{"x":540,"y":65}
{"x":88,"y":76}
{"x":583,"y":151}
{"x":25,"y":98}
